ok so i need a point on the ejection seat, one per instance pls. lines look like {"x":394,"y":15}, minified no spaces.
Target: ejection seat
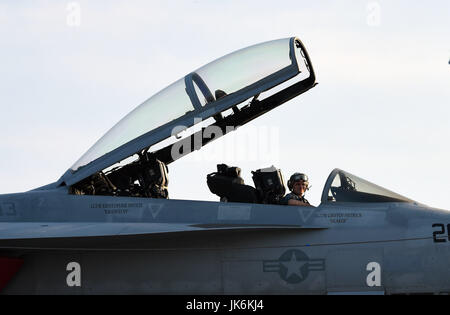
{"x":228,"y":184}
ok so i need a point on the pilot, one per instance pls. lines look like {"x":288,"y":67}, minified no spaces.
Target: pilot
{"x":298,"y":185}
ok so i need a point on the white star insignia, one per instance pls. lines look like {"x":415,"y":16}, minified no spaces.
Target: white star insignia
{"x":293,"y":266}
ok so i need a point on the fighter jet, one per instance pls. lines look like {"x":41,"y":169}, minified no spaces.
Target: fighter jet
{"x":108,"y":226}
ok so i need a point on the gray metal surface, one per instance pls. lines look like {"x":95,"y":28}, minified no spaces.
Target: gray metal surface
{"x":88,"y":244}
{"x":127,"y":245}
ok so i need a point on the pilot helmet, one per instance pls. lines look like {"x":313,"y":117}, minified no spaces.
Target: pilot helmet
{"x":296,"y":177}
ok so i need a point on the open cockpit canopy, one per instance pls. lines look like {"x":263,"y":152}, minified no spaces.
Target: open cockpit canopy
{"x":264,"y":75}
{"x":345,"y":187}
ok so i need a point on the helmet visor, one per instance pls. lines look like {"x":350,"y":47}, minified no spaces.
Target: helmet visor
{"x":299,"y":177}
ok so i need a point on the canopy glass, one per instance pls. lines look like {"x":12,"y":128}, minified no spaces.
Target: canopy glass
{"x":345,"y":187}
{"x":218,"y":79}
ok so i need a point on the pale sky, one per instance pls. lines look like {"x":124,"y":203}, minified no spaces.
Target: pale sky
{"x":70,"y":70}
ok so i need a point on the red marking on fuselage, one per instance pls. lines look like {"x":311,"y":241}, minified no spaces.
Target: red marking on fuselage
{"x":8,"y":268}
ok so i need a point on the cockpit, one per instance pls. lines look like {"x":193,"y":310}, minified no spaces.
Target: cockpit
{"x":269,"y":188}
{"x":132,"y":158}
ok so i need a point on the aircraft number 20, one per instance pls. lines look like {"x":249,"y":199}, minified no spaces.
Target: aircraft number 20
{"x":437,"y":234}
